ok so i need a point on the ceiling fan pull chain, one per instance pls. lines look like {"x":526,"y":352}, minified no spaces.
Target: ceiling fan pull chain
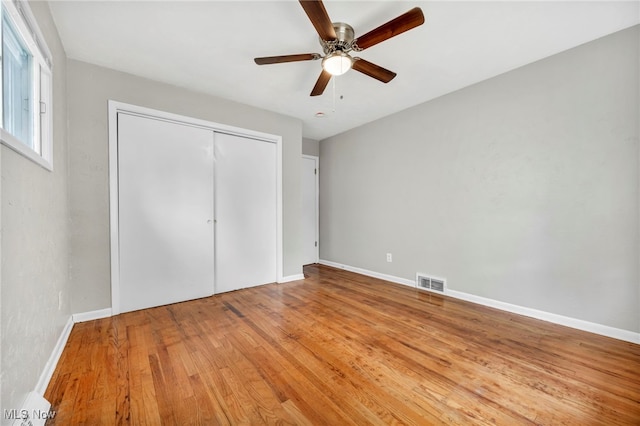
{"x":334,"y":94}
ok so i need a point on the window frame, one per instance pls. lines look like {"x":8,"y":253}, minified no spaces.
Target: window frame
{"x":26,"y":27}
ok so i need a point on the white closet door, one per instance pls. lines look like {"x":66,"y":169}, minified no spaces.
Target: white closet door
{"x":309,"y":210}
{"x":165,"y":182}
{"x":245,"y":199}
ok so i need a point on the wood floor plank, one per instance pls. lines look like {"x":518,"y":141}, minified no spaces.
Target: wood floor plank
{"x":340,"y":348}
{"x":142,"y":398}
{"x":295,"y":413}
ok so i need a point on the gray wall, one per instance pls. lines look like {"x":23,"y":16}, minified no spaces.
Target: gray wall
{"x":89,"y":89}
{"x":522,"y":188}
{"x":34,"y":246}
{"x":310,"y":147}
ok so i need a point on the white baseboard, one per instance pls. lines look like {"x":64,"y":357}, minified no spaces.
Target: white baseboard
{"x":368,"y":273}
{"x":35,"y":411}
{"x":604,"y":330}
{"x":52,"y":362}
{"x":291,"y":278}
{"x":92,"y":315}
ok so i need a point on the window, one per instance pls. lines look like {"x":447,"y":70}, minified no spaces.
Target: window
{"x":25,"y":110}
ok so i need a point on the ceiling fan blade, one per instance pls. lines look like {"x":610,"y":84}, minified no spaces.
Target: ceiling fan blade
{"x":402,"y":23}
{"x":286,"y":58}
{"x":319,"y":18}
{"x":321,"y":84}
{"x":373,"y":70}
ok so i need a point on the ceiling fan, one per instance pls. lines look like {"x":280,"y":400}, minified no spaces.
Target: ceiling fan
{"x":338,"y":40}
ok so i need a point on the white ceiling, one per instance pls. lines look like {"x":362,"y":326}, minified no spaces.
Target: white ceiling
{"x":209,"y":46}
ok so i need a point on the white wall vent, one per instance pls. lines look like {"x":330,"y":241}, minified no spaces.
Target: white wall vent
{"x":424,"y":282}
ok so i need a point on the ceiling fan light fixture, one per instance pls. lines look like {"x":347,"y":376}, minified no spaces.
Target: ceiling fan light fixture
{"x":337,"y":63}
{"x":338,"y":40}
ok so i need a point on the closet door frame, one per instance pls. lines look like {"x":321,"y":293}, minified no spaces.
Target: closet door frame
{"x":114,"y":108}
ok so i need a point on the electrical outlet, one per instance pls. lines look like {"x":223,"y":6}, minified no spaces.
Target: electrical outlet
{"x":60,"y":300}
{"x":389,"y":257}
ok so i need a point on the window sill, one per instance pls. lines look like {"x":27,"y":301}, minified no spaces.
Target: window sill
{"x":12,"y":142}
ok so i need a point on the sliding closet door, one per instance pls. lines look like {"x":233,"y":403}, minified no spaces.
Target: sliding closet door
{"x":166,"y":230}
{"x":245,"y":200}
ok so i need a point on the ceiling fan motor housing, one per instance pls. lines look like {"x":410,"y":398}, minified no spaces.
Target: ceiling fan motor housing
{"x":344,"y":39}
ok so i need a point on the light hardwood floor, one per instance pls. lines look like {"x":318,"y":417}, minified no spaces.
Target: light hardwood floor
{"x":337,"y":349}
